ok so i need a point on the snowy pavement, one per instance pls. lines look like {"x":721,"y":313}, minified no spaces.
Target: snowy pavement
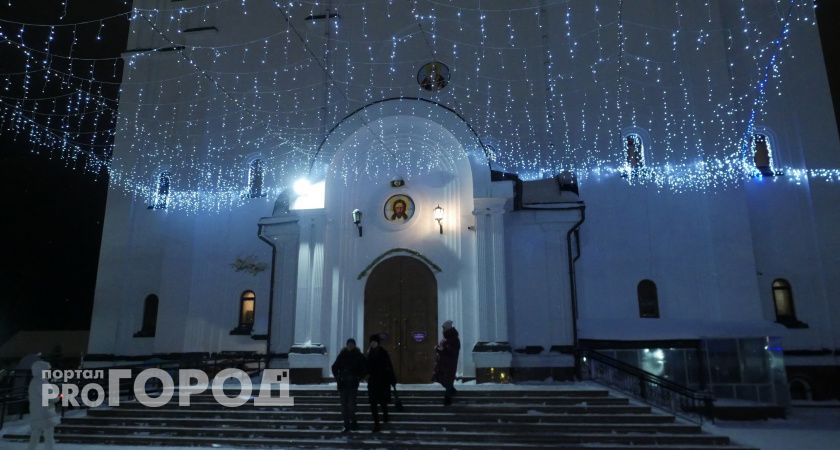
{"x":806,"y":428}
{"x":5,"y":445}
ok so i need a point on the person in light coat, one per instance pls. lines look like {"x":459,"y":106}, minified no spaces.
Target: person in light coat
{"x":42,"y":415}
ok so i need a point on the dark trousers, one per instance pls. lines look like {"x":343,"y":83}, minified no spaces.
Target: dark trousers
{"x":348,"y":406}
{"x":450,"y":389}
{"x":374,"y":410}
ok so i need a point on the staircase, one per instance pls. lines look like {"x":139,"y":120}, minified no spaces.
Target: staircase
{"x":572,"y":418}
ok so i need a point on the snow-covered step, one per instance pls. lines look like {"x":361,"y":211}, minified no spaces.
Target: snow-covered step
{"x":465,"y":416}
{"x":438,"y":393}
{"x":447,"y":425}
{"x":460,"y":407}
{"x":492,"y":436}
{"x":571,"y":419}
{"x":366,"y":440}
{"x":436,"y":399}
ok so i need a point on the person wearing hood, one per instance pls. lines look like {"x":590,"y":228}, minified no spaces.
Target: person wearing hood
{"x":42,"y":415}
{"x":348,"y":369}
{"x":380,"y":379}
{"x":446,"y":361}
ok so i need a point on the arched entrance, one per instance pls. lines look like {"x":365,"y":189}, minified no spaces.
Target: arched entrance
{"x":401,"y":305}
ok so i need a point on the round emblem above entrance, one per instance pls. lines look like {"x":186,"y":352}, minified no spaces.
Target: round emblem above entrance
{"x":399,"y":209}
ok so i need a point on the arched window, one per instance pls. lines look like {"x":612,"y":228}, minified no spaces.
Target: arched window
{"x":762,"y":154}
{"x":161,"y":198}
{"x":247,"y":302}
{"x":648,"y":299}
{"x":150,"y":311}
{"x":634,"y":150}
{"x":783,"y":303}
{"x":255,"y":179}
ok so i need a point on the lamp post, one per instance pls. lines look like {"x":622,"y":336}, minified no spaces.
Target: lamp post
{"x":357,"y":220}
{"x":439,"y":217}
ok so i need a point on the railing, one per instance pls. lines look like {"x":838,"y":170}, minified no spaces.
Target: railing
{"x":12,"y":401}
{"x":652,"y":389}
{"x":15,"y":400}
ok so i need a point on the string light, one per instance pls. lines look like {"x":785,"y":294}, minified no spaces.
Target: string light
{"x":551,"y":85}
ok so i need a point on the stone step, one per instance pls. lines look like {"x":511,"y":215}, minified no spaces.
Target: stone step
{"x":365,"y":419}
{"x":404,"y":435}
{"x":436,"y":400}
{"x":396,"y":416}
{"x":357,"y":440}
{"x":438,"y":393}
{"x":457,"y":408}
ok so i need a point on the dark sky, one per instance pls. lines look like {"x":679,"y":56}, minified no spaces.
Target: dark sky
{"x":54,"y":214}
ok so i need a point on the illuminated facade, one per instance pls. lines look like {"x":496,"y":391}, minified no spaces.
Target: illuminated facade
{"x":695,"y":201}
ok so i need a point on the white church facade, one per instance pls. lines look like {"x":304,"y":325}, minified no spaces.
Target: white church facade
{"x":403,"y":218}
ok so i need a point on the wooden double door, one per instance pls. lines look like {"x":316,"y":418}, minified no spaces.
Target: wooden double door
{"x":401,"y":306}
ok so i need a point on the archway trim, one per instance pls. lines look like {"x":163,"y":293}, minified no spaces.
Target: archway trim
{"x":409,"y":251}
{"x":401,"y":98}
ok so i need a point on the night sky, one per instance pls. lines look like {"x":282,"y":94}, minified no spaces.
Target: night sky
{"x":53,"y":214}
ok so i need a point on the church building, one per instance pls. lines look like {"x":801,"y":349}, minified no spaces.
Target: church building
{"x":650,"y":182}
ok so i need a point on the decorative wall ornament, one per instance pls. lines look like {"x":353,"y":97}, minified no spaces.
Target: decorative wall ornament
{"x":398,"y":208}
{"x":433,"y":76}
{"x":248,"y":264}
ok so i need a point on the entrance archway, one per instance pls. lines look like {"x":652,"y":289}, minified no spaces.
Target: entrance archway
{"x":401,"y":305}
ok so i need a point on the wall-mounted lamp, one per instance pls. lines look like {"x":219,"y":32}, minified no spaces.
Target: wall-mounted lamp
{"x":357,"y":220}
{"x":439,"y":217}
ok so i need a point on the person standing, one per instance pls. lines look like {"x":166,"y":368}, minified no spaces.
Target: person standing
{"x":42,"y":415}
{"x":446,"y":361}
{"x":380,"y":379}
{"x":348,"y":369}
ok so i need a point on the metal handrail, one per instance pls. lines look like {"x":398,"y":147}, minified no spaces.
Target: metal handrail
{"x":657,"y":391}
{"x":11,"y":395}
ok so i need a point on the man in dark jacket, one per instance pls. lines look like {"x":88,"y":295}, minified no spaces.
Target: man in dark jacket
{"x":348,"y":369}
{"x":446,"y":360}
{"x":380,"y":379}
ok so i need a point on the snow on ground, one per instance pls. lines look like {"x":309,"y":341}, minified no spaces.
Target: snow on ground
{"x":805,"y":428}
{"x":5,"y":445}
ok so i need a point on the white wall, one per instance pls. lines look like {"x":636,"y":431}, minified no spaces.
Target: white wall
{"x":712,"y":254}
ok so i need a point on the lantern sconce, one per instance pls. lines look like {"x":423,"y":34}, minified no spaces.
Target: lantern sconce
{"x":439,"y":217}
{"x":357,"y":220}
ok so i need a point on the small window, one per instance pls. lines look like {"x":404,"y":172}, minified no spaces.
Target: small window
{"x":634,"y":149}
{"x":762,"y":154}
{"x":161,"y":198}
{"x":783,"y":303}
{"x":255,"y":179}
{"x":648,"y":299}
{"x":150,"y":311}
{"x":246,"y":310}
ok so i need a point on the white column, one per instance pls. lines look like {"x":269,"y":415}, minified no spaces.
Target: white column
{"x":310,"y":338}
{"x":490,"y":249}
{"x":284,"y":233}
{"x":310,"y":279}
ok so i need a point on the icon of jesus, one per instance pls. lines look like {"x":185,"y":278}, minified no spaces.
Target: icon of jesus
{"x":399,"y":209}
